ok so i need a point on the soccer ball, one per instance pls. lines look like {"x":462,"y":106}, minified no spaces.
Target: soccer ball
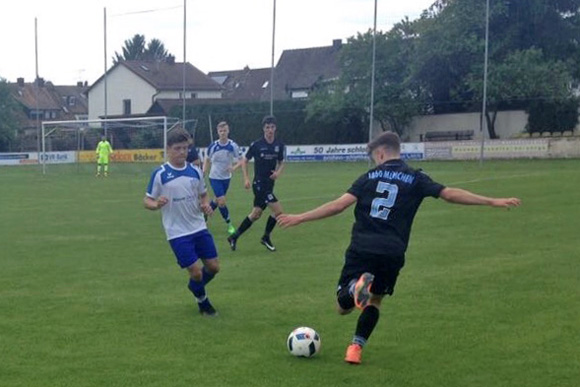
{"x":303,"y":342}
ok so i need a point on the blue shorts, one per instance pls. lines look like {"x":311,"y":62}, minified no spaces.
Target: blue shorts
{"x":189,"y":248}
{"x":219,"y":186}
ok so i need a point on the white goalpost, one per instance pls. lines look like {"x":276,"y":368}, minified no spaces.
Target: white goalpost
{"x":142,"y":139}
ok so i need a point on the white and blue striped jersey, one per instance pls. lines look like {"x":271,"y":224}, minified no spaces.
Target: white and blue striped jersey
{"x":222,"y":157}
{"x":182,"y":215}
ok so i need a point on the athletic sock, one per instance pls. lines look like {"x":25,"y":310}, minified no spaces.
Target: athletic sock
{"x":366,"y":323}
{"x":225,"y":213}
{"x":270,"y":224}
{"x":213,"y":205}
{"x":359,"y":340}
{"x":207,"y":276}
{"x":204,"y":304}
{"x":246,"y":224}
{"x":198,"y":289}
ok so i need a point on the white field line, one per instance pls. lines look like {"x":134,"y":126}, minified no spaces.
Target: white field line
{"x":449,"y":185}
{"x":495,"y":178}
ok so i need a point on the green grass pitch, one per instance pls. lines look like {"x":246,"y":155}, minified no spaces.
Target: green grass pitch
{"x":90,"y":294}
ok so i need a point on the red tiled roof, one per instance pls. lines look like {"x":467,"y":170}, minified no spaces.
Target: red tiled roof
{"x":164,"y":75}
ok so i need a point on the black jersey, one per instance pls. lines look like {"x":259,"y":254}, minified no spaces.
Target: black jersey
{"x":192,"y":154}
{"x":266,"y":156}
{"x":388,"y":198}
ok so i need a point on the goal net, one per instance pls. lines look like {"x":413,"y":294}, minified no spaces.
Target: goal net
{"x":136,"y":143}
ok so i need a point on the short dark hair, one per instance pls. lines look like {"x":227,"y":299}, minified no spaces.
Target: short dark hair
{"x":176,"y":136}
{"x":268,"y":120}
{"x":222,"y":123}
{"x":389,"y":140}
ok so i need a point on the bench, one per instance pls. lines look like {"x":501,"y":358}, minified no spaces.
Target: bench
{"x":449,"y":135}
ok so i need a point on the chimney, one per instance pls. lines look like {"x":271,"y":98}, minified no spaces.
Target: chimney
{"x":20,"y":81}
{"x":80,"y":84}
{"x":337,"y":43}
{"x":40,"y":82}
{"x":170,"y":59}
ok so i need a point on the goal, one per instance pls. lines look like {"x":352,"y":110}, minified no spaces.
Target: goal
{"x":134,"y":141}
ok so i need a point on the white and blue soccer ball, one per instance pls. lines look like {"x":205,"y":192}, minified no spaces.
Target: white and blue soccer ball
{"x":303,"y":342}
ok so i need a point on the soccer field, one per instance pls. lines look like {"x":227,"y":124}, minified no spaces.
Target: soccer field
{"x":90,"y":294}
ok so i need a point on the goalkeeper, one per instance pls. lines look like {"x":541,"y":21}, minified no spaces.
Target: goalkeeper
{"x":104,"y":150}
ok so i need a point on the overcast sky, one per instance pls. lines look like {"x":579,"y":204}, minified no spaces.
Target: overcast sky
{"x":220,"y":34}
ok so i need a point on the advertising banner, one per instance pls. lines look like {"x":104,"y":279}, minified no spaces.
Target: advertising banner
{"x":502,"y":149}
{"x":126,"y":156}
{"x":18,"y":158}
{"x":349,"y":152}
{"x":58,"y":157}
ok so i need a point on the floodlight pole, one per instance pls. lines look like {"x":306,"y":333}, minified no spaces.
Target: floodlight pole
{"x":372,"y":107}
{"x":184,"y":61}
{"x":36,"y":86}
{"x":272,"y":63}
{"x":164,"y":139}
{"x":484,"y":104}
{"x":42,"y":158}
{"x":105,"y":60}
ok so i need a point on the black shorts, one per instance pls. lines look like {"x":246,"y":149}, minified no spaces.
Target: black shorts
{"x":263,"y":194}
{"x":385,"y":268}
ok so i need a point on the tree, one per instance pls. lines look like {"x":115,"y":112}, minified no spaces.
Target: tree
{"x":523,"y":76}
{"x":397,"y":97}
{"x":534,"y":53}
{"x":136,"y":48}
{"x":155,"y":50}
{"x":8,"y":122}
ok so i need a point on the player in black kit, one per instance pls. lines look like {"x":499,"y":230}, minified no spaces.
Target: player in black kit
{"x":387,"y":199}
{"x":268,"y":154}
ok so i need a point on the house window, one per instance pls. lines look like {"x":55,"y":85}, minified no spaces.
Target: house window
{"x":193,"y":95}
{"x":127,"y":107}
{"x":36,"y":114}
{"x":299,"y":94}
{"x":72,"y":100}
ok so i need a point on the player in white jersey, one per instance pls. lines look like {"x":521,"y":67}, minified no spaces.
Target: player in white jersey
{"x":177,"y":189}
{"x":223,"y":155}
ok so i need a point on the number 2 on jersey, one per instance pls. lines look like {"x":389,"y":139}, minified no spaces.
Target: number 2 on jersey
{"x":381,"y":207}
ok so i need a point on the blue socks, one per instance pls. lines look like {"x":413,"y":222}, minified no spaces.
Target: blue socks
{"x":223,"y":210}
{"x":207,"y":276}
{"x":198,"y":287}
{"x":225,"y":213}
{"x":198,"y":290}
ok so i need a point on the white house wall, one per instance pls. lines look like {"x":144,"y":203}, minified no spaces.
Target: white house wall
{"x":122,"y":84}
{"x":507,"y":124}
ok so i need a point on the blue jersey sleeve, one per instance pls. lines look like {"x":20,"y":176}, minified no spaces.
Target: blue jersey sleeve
{"x":153,"y":186}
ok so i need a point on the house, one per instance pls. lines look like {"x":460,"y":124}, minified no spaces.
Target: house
{"x":246,"y":85}
{"x":42,"y":101}
{"x":243,"y":85}
{"x":134,"y":86}
{"x":299,"y":71}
